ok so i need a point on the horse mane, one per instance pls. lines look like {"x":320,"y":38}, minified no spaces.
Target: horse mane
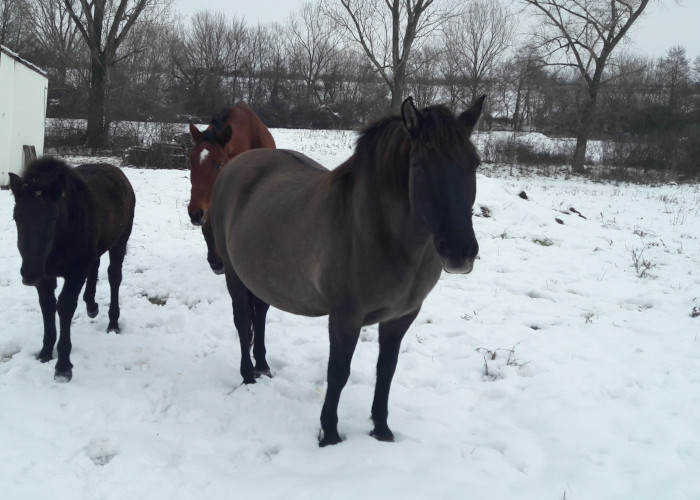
{"x":381,"y":154}
{"x":382,"y":148}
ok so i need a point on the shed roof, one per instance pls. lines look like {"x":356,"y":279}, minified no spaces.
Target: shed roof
{"x":17,"y":57}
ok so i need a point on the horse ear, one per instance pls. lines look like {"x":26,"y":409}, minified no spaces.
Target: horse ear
{"x":471,"y":116}
{"x":225,"y":136}
{"x":195,"y":133}
{"x":411,"y":117}
{"x":16,"y":185}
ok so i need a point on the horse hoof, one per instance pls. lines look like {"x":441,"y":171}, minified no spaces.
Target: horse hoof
{"x":63,"y":377}
{"x":113,"y":329}
{"x":218,"y":270}
{"x":386,"y":435}
{"x":93,"y":314}
{"x":329,"y":439}
{"x":44,"y":358}
{"x":260,"y":373}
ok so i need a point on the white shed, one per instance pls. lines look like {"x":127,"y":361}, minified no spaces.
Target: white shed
{"x":23,"y":92}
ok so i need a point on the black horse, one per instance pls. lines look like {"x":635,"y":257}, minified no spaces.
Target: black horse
{"x":364,"y":243}
{"x":66,"y":219}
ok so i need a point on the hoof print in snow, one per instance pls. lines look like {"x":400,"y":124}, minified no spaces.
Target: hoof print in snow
{"x":485,"y":212}
{"x":102,"y":450}
{"x":695,"y":313}
{"x":559,"y":221}
{"x":523,"y":195}
{"x":8,"y":354}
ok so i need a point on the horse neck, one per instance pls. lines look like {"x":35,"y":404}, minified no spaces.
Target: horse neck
{"x":79,"y":210}
{"x":377,"y":175}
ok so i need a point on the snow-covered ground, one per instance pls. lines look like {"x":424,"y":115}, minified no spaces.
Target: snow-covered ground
{"x":555,"y":370}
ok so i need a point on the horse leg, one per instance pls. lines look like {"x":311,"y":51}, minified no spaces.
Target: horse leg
{"x":260,"y":309}
{"x":243,"y":320}
{"x":67,"y":302}
{"x":114,"y":273}
{"x":212,"y":255}
{"x":90,"y":287}
{"x":47,"y":302}
{"x":343,"y":333}
{"x":390,"y":335}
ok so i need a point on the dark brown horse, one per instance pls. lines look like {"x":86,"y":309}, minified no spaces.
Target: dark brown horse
{"x":364,"y":243}
{"x":232,"y":132}
{"x":66,"y":219}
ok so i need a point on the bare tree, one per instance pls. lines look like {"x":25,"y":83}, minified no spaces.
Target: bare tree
{"x":314,"y":43}
{"x":208,"y":60}
{"x":675,"y":72}
{"x":274,"y":63}
{"x":104,"y":25}
{"x":137,"y":89}
{"x":12,"y":26}
{"x":387,"y":32}
{"x":518,"y":86}
{"x":582,"y":34}
{"x":425,"y":85}
{"x":476,"y":42}
{"x":56,"y":38}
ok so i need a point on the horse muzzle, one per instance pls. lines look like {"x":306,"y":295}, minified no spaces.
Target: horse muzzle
{"x":198,"y":218}
{"x":452,"y":267}
{"x":30,"y":278}
{"x":457,"y":258}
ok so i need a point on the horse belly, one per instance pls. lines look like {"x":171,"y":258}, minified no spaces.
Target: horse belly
{"x":400,"y":292}
{"x":270,"y":271}
{"x":273,"y":246}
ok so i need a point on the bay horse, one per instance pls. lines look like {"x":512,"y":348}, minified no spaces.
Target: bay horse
{"x":231,"y":132}
{"x":66,"y":219}
{"x":363,"y":243}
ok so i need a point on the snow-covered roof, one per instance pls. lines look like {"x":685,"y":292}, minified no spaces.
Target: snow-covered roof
{"x":17,"y":57}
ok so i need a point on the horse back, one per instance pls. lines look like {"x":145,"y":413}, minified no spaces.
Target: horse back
{"x":112,"y":200}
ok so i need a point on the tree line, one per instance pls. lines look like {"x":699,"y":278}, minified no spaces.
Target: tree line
{"x":342,"y":63}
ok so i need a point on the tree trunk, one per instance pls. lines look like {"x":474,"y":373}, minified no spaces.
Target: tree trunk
{"x":577,"y":164}
{"x":517,"y":123}
{"x":397,"y":91}
{"x":584,"y":129}
{"x":96,"y":130}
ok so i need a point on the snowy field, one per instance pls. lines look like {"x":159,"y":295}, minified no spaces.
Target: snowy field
{"x":566,"y":366}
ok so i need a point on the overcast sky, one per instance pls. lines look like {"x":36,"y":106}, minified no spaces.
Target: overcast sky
{"x":664,"y":25}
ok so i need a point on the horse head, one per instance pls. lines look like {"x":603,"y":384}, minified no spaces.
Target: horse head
{"x":442,"y":179}
{"x":207,"y":156}
{"x":39,"y":208}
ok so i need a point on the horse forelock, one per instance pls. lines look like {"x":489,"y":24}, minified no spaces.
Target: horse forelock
{"x":442,"y":134}
{"x":45,"y":172}
{"x":209,"y":135}
{"x":217,"y":125}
